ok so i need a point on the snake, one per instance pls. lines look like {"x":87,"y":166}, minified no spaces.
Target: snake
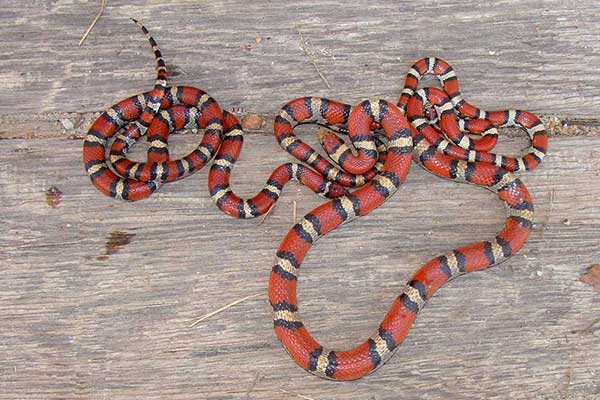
{"x":411,"y":132}
{"x":431,"y":125}
{"x":167,"y":109}
{"x":137,"y":116}
{"x":449,"y":101}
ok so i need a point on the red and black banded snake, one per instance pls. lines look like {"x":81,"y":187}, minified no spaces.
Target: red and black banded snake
{"x":164,"y":110}
{"x":441,"y":145}
{"x":138,"y":114}
{"x":437,"y":154}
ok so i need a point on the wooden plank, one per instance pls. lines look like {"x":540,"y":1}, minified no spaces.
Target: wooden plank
{"x":540,"y":56}
{"x":96,"y":295}
{"x":83,"y":316}
{"x":75,"y":126}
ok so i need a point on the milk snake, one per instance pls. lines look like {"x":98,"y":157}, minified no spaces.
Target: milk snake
{"x":452,"y":156}
{"x":436,"y":136}
{"x":164,"y":110}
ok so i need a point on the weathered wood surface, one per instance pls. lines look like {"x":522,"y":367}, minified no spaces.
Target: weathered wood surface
{"x":96,"y":295}
{"x":82,"y":318}
{"x":537,"y":55}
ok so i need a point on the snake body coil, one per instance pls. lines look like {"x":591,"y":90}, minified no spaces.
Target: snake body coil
{"x":437,"y":154}
{"x":164,"y":110}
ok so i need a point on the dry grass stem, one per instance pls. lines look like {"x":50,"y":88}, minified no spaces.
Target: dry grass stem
{"x":296,"y":394}
{"x":550,"y":211}
{"x":252,"y":385}
{"x":311,"y":57}
{"x":294,"y":212}
{"x":570,"y":376}
{"x":85,"y":35}
{"x":551,"y":203}
{"x":591,"y":328}
{"x":266,"y":215}
{"x":225,"y":307}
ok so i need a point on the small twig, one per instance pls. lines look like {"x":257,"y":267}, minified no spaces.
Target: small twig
{"x":310,"y":56}
{"x":296,"y":394}
{"x":266,"y":215}
{"x":294,"y":217}
{"x":233,"y":303}
{"x":85,"y":35}
{"x":591,"y":328}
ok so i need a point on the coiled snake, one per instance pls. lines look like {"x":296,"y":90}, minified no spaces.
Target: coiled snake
{"x":442,"y":157}
{"x":430,"y":125}
{"x":163,"y":111}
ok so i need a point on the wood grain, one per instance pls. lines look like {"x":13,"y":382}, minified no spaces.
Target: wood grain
{"x":81,"y":320}
{"x":96,"y":295}
{"x":541,"y":56}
